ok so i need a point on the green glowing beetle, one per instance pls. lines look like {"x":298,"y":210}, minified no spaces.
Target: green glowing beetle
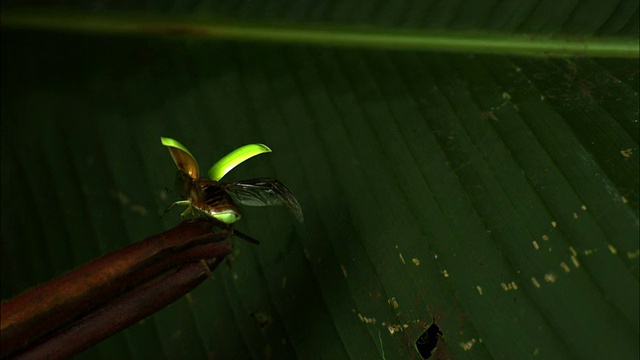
{"x":217,"y":200}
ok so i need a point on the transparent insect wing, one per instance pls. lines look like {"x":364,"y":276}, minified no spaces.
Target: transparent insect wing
{"x":264,"y":192}
{"x":182,"y":157}
{"x":235,"y":158}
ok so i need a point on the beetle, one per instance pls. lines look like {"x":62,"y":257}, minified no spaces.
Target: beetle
{"x":215,"y":199}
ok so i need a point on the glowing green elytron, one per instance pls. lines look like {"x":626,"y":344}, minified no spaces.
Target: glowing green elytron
{"x":235,"y":158}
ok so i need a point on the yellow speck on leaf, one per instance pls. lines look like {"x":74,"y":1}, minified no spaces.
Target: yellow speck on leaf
{"x":120,"y":196}
{"x":627,"y":152}
{"x":394,"y":328}
{"x":554,"y":224}
{"x":139,"y":209}
{"x":510,"y":286}
{"x":393,"y":302}
{"x":366,"y":320}
{"x":613,"y":249}
{"x":535,"y":282}
{"x":445,"y":273}
{"x":565,"y":267}
{"x":466,"y":346}
{"x":545,"y":237}
{"x":535,"y":245}
{"x":550,"y":277}
{"x":416,"y":261}
{"x":574,"y":260}
{"x":479,"y":289}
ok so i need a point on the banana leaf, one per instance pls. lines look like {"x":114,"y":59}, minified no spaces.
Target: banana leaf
{"x":468,"y":164}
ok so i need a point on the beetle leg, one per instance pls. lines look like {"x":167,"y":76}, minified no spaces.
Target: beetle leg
{"x":181,"y":202}
{"x":186,"y":212}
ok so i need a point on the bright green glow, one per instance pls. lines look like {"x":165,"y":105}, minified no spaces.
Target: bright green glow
{"x":183,"y":159}
{"x":227,"y":218}
{"x":174,"y":143}
{"x":235,"y":158}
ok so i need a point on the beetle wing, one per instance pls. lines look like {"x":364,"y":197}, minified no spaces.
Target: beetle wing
{"x":235,"y":158}
{"x":182,"y":157}
{"x":187,"y":187}
{"x":264,"y":192}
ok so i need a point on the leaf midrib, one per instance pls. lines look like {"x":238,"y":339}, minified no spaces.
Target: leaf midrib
{"x":123,"y":23}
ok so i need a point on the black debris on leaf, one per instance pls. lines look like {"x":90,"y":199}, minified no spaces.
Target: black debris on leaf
{"x":428,"y":340}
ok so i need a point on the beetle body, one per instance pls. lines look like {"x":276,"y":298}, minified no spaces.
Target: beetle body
{"x":217,"y":200}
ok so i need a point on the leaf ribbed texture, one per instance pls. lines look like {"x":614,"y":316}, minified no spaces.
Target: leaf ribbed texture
{"x":497,"y":194}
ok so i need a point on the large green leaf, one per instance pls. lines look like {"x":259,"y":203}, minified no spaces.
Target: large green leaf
{"x":495,"y":192}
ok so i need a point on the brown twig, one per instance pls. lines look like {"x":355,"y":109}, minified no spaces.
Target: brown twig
{"x":110,"y":293}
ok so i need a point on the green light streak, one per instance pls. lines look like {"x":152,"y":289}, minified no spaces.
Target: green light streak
{"x":392,"y":39}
